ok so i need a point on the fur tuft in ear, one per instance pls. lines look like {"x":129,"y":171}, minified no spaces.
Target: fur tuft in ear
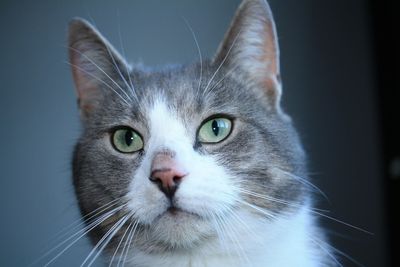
{"x":97,"y":68}
{"x":250,"y":47}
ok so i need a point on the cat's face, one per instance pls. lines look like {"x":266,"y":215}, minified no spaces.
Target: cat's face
{"x":172,"y":160}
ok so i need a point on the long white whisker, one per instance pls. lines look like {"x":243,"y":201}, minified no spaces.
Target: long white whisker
{"x":100,"y":80}
{"x":131,"y":87}
{"x":123,"y":52}
{"x":220,"y":80}
{"x":342,"y":222}
{"x":199,"y":52}
{"x":310,"y":210}
{"x":121,"y":256}
{"x":236,"y":217}
{"x":75,"y":225}
{"x":78,"y":223}
{"x":326,"y":251}
{"x":220,"y":232}
{"x":298,"y":205}
{"x":269,"y":198}
{"x":105,"y":73}
{"x":267,"y":213}
{"x":106,"y":239}
{"x":86,"y":230}
{"x":240,"y":251}
{"x":343,"y":254}
{"x":130,"y":242}
{"x":120,"y":74}
{"x":119,"y":243}
{"x":223,"y":61}
{"x":304,"y":181}
{"x":277,"y":200}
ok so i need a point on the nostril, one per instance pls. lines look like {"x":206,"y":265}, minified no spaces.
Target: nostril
{"x":177,"y":179}
{"x":155,"y":180}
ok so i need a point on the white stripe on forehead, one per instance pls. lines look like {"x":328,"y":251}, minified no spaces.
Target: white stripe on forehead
{"x":167,"y":129}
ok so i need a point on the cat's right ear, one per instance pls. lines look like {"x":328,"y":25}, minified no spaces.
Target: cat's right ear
{"x":250,"y":49}
{"x":96,"y":66}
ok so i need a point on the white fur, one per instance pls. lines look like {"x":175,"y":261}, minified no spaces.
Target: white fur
{"x":248,"y":239}
{"x":206,"y":183}
{"x":283,"y":243}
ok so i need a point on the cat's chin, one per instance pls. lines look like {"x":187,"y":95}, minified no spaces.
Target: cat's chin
{"x":181,"y":229}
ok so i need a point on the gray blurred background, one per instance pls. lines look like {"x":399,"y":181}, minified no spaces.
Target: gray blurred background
{"x":329,"y":90}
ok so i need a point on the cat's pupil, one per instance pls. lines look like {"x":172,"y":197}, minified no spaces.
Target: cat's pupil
{"x":128,"y":138}
{"x":215,"y":127}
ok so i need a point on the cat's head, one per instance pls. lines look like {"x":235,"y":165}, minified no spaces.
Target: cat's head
{"x":173,"y":159}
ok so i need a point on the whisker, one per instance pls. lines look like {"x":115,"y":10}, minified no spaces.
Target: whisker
{"x":263,"y":211}
{"x":343,"y":254}
{"x":120,"y":242}
{"x":268,"y":197}
{"x":326,"y":251}
{"x":123,"y":53}
{"x":219,"y":81}
{"x":122,"y":46}
{"x":304,"y":181}
{"x":221,"y":226}
{"x":236,"y":217}
{"x":277,"y":200}
{"x":105,"y":240}
{"x":310,"y":210}
{"x":132,"y":233}
{"x":199,"y":52}
{"x":121,"y":75}
{"x":223,"y":61}
{"x":131,"y":87}
{"x":342,"y":222}
{"x":108,"y":47}
{"x":86,"y":218}
{"x":98,"y":79}
{"x":86,"y":230}
{"x":240,"y":251}
{"x":76,"y":224}
{"x":98,"y":67}
{"x":220,"y":232}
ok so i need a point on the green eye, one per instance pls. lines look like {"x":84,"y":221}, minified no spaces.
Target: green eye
{"x":215,"y":130}
{"x":126,"y":140}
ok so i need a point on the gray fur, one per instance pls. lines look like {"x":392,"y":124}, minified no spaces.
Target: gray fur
{"x":264,"y":142}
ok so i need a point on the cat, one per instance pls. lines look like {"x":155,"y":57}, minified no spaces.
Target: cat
{"x":193,"y":165}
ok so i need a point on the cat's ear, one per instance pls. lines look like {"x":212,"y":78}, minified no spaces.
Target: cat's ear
{"x":97,"y":67}
{"x":250,"y":49}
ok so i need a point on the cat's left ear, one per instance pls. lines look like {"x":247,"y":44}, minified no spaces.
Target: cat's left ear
{"x":250,"y":49}
{"x":98,"y":69}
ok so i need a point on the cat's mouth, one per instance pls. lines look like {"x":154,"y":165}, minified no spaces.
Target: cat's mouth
{"x":175,"y":212}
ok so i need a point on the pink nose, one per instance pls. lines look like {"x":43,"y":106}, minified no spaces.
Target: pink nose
{"x":166,"y":173}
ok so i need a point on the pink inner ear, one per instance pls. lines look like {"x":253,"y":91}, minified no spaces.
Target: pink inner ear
{"x":256,"y":52}
{"x":85,"y":87}
{"x":89,"y":55}
{"x":270,"y":49}
{"x":270,"y":76}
